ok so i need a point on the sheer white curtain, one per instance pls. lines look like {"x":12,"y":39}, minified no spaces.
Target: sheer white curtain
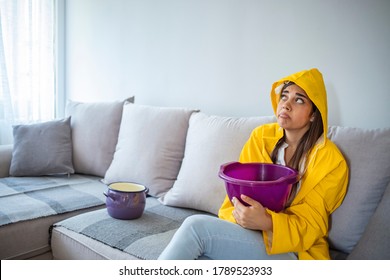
{"x":27,"y":63}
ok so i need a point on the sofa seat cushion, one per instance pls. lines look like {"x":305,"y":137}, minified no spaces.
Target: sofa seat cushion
{"x":30,"y":205}
{"x":142,"y":238}
{"x":30,"y":239}
{"x":71,"y":245}
{"x":27,"y":198}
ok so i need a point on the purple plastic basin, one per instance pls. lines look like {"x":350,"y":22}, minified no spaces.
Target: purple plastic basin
{"x":269,"y":184}
{"x":126,"y":201}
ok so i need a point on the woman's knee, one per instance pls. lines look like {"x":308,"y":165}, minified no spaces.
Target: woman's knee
{"x":198,"y":219}
{"x":197,"y":223}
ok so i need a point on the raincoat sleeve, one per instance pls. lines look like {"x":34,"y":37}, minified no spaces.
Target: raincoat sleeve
{"x":226,"y":210}
{"x":256,"y":149}
{"x":304,"y":225}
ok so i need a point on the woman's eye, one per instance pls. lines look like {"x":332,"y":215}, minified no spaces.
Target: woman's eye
{"x":300,"y":101}
{"x":283,"y":97}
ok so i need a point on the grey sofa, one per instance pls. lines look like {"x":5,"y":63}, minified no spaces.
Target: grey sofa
{"x":176,"y":152}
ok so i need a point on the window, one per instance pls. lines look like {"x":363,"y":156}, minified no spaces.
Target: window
{"x":27,"y":63}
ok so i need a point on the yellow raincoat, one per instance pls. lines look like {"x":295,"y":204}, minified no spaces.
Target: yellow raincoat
{"x":303,"y":226}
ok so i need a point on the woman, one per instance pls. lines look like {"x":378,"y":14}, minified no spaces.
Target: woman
{"x":299,"y":140}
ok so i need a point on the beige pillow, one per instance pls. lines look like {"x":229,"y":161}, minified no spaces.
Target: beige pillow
{"x":150,"y":147}
{"x":95,"y":128}
{"x":211,"y":141}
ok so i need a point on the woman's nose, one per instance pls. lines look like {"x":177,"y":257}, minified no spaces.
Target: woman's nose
{"x":286,"y":106}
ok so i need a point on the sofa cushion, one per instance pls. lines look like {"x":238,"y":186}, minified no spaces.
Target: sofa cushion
{"x":368,"y":155}
{"x":47,"y":195}
{"x":374,"y":244}
{"x":42,"y":149}
{"x":143,"y":238}
{"x":150,"y":147}
{"x":29,"y":239}
{"x":95,"y":128}
{"x":29,"y":205}
{"x":211,"y":141}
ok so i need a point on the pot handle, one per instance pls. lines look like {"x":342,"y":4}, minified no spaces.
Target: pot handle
{"x":106,"y":195}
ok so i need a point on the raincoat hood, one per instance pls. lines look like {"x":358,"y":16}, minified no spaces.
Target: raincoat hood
{"x":312,"y":83}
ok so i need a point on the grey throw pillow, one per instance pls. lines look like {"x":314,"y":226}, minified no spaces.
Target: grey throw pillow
{"x":42,"y":149}
{"x":374,"y":244}
{"x":368,"y":155}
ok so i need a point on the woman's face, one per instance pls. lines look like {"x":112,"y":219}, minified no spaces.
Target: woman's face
{"x":295,"y":110}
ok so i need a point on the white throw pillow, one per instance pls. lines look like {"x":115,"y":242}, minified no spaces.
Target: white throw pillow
{"x":150,"y":147}
{"x":95,"y":128}
{"x":211,"y":142}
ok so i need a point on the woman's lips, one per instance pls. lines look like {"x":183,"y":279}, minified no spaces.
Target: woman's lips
{"x":284,"y":116}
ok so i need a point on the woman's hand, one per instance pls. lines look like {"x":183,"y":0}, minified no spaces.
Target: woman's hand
{"x":253,"y":216}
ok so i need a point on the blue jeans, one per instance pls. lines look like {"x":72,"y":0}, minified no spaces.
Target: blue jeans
{"x":207,"y":237}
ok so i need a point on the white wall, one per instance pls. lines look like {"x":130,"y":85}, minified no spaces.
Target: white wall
{"x":221,"y":56}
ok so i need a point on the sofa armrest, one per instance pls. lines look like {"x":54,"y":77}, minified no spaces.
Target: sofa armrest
{"x":5,"y":159}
